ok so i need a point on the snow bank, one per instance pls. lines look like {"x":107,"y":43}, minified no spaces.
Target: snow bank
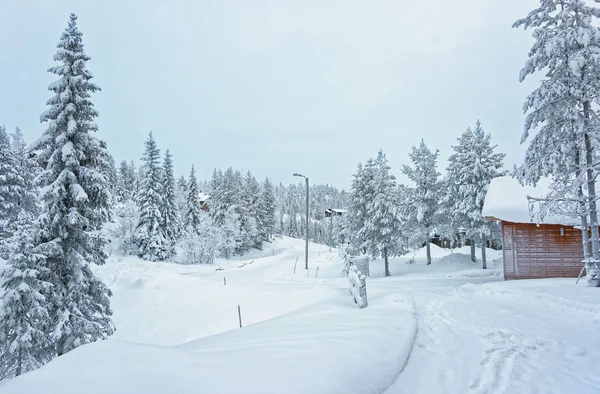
{"x":507,"y":200}
{"x":328,"y":348}
{"x":445,"y":263}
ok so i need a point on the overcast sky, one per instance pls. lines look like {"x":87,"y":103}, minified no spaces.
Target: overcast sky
{"x":282,"y":86}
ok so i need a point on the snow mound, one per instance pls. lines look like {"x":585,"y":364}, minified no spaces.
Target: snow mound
{"x":328,"y":348}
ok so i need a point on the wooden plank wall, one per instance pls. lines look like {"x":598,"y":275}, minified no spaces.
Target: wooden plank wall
{"x":531,"y":251}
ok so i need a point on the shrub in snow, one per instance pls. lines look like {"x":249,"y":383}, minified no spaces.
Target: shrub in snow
{"x":124,"y":231}
{"x":200,"y":245}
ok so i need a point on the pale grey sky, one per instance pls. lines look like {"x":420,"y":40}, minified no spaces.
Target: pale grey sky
{"x":282,"y":86}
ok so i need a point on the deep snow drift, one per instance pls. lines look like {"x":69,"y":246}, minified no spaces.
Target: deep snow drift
{"x":445,"y":328}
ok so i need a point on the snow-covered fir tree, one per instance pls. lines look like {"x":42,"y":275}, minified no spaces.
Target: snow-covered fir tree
{"x":181,"y":198}
{"x":12,"y":186}
{"x":193,"y":211}
{"x":361,"y":196}
{"x":25,"y":343}
{"x":169,"y":212}
{"x":425,"y":195}
{"x":112,"y":177}
{"x":75,"y":197}
{"x":125,"y":182}
{"x":250,"y":214}
{"x":231,"y":232}
{"x":150,"y":235}
{"x":267,"y":210}
{"x":471,"y":168}
{"x":382,"y":229}
{"x":563,"y":112}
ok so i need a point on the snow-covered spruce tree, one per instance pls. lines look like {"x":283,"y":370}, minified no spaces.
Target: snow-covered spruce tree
{"x":562,"y":109}
{"x":361,"y":196}
{"x":181,"y":198}
{"x":193,"y":211}
{"x":230,"y":232}
{"x":24,"y":319}
{"x":12,"y":186}
{"x":112,"y":176}
{"x":75,"y":197}
{"x":267,"y":213}
{"x":382,"y":229}
{"x":125,"y":183}
{"x":425,"y":194}
{"x":150,"y":234}
{"x":471,"y":168}
{"x":169,"y":212}
{"x":226,"y":195}
{"x":251,"y":219}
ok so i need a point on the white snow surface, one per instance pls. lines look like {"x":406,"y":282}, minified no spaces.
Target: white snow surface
{"x":507,"y":200}
{"x":449,"y":327}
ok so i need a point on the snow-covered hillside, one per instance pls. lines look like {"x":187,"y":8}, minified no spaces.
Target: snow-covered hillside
{"x":445,"y":328}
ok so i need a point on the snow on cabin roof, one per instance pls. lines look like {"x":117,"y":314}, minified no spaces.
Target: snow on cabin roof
{"x":507,"y":200}
{"x":203,"y":196}
{"x":339,"y":210}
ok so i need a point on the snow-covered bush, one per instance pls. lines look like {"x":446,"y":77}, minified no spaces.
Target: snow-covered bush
{"x":201,"y":246}
{"x":124,"y":232}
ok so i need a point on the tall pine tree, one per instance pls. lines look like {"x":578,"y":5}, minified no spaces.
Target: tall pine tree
{"x":471,"y":168}
{"x":425,"y":195}
{"x":382,"y":230}
{"x":563,"y":112}
{"x":75,"y":196}
{"x":193,"y":212}
{"x":150,"y":236}
{"x":169,"y":212}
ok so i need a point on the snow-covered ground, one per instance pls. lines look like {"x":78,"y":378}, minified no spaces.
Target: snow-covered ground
{"x":445,"y":328}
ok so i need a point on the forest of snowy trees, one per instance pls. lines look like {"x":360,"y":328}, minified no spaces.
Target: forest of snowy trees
{"x":65,"y":204}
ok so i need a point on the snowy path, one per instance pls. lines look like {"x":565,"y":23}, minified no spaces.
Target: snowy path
{"x":482,"y":338}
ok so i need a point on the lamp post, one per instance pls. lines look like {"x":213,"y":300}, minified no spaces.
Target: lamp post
{"x":306,"y":230}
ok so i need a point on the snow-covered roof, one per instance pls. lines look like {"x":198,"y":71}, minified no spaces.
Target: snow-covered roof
{"x":203,"y":196}
{"x":507,"y":200}
{"x":339,"y":210}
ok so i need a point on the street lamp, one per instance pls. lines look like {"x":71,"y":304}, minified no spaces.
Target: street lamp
{"x":306,"y":230}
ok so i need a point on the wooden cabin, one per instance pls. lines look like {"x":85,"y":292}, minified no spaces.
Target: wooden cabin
{"x":532,"y":246}
{"x":203,"y":198}
{"x":332,"y":212}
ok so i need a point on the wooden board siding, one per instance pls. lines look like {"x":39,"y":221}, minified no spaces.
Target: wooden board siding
{"x":531,"y":251}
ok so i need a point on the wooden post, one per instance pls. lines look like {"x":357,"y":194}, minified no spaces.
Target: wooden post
{"x":296,"y":263}
{"x":240,"y":316}
{"x":224,"y":280}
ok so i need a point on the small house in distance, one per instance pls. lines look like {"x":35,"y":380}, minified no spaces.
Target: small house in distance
{"x":331,"y":212}
{"x":532,"y":248}
{"x":203,"y":199}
